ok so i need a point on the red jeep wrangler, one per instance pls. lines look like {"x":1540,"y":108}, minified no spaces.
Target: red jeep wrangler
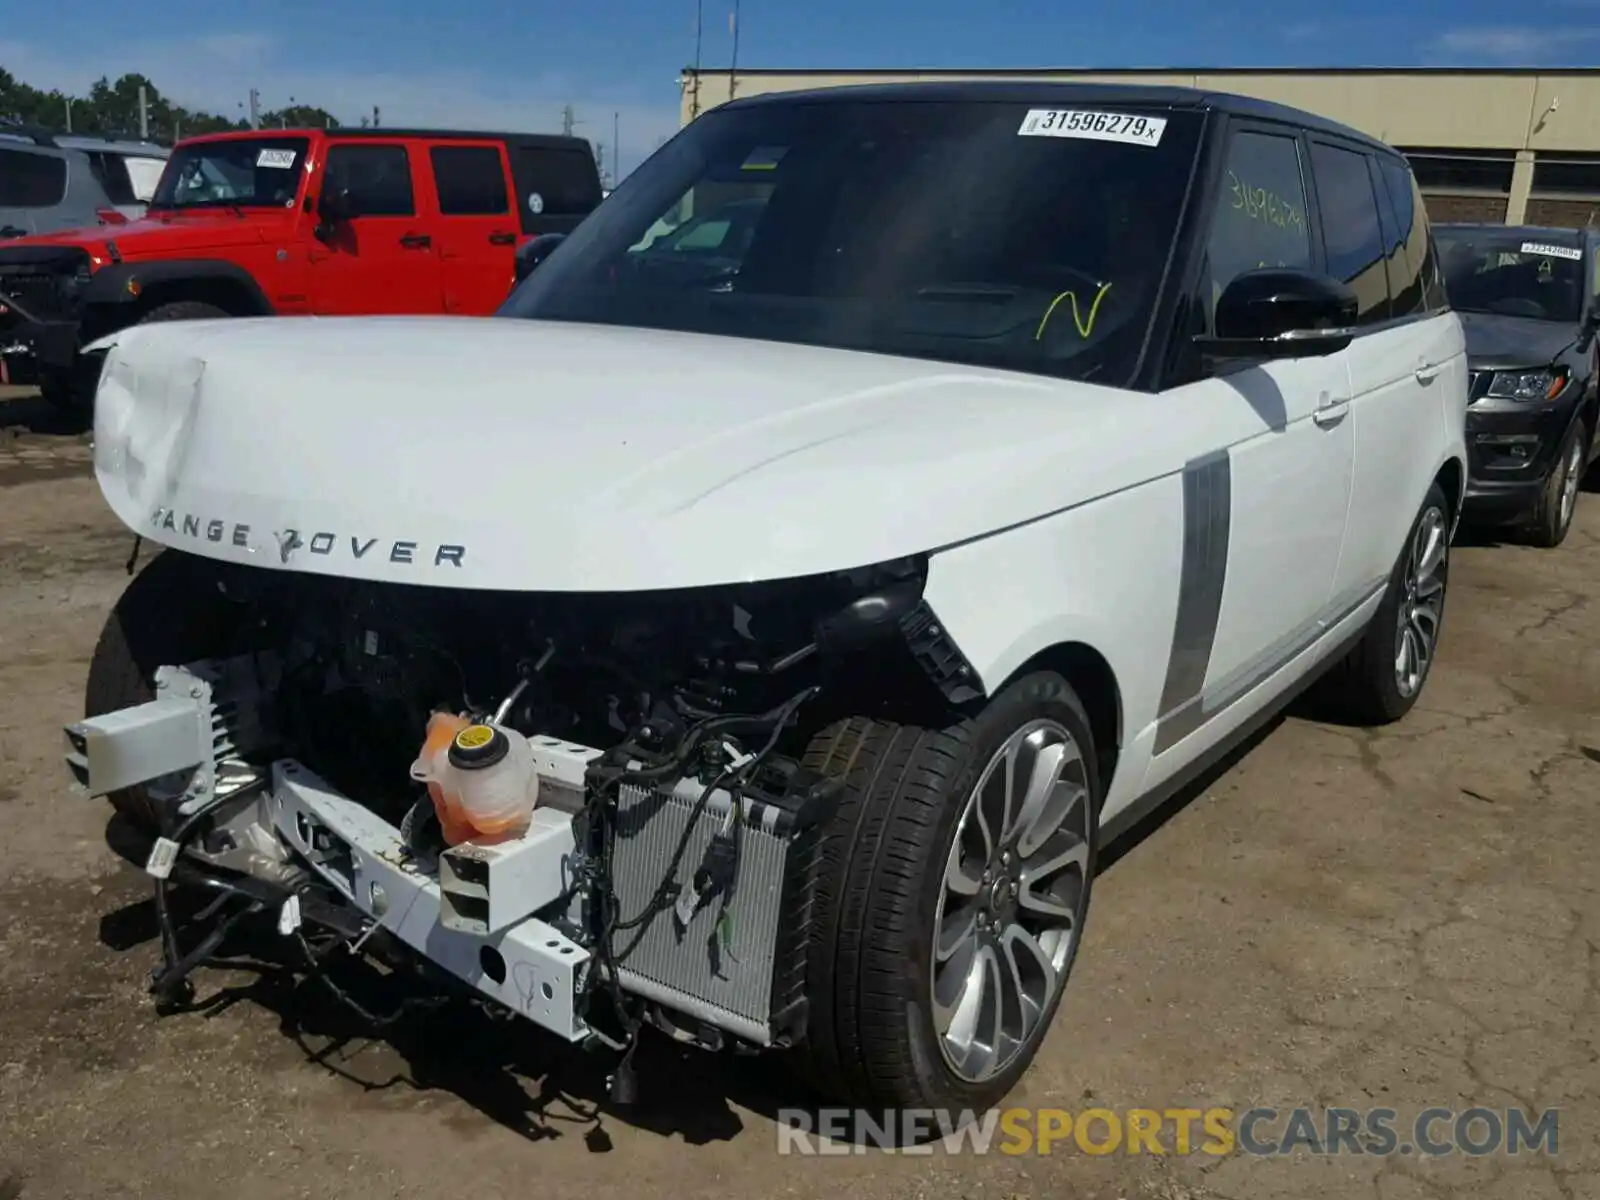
{"x":293,"y":222}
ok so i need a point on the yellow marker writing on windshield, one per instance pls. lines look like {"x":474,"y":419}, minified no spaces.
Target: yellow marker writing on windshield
{"x":1085,"y":324}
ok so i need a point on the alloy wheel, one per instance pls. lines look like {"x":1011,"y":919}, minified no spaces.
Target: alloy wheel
{"x":1571,"y":479}
{"x":1012,"y":901}
{"x":1421,"y":602}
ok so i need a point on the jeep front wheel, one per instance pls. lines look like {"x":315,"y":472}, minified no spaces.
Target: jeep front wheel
{"x":953,"y":885}
{"x":183,"y":310}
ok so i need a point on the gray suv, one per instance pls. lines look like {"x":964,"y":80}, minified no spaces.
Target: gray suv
{"x":50,"y":182}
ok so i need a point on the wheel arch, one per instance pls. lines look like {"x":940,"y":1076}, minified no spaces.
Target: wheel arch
{"x":1452,"y":477}
{"x":1094,"y":680}
{"x":120,"y":295}
{"x":228,"y":293}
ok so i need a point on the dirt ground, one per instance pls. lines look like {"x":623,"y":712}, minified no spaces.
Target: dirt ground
{"x":1405,"y":918}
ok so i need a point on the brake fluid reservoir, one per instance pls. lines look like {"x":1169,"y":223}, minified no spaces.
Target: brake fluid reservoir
{"x":493,"y":779}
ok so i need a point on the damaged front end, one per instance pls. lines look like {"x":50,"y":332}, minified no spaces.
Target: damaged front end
{"x":664,"y":873}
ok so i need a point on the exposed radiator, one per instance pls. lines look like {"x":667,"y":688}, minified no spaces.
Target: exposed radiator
{"x":749,"y":978}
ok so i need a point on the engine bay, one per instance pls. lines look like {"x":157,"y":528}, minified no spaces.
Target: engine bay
{"x":665,"y":874}
{"x":363,"y":665}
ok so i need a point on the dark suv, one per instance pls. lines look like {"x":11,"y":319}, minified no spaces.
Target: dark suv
{"x":1528,"y":303}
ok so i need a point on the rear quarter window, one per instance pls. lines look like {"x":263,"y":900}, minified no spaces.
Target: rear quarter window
{"x":555,"y":182}
{"x":111,"y":171}
{"x":31,"y":180}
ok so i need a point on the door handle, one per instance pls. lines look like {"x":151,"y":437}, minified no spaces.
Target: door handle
{"x":499,"y":238}
{"x":1427,"y":372}
{"x":1329,"y":411}
{"x":415,"y":241}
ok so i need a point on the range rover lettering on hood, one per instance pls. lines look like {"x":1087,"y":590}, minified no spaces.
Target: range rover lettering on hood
{"x":401,"y":551}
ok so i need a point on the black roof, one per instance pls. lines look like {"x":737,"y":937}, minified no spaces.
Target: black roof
{"x":1047,"y":92}
{"x":1081,"y":73}
{"x":543,"y":141}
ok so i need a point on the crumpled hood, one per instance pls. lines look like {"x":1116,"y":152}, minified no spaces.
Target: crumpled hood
{"x":1495,"y":341}
{"x":509,"y":454}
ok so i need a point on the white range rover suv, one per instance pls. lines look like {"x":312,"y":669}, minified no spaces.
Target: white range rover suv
{"x":843,"y":577}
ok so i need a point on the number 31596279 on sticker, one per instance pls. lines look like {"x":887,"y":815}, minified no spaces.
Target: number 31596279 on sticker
{"x":1132,"y":128}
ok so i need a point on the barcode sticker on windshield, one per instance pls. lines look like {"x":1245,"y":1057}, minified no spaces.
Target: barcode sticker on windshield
{"x":280,"y":159}
{"x":1552,"y":251}
{"x":1095,"y":126}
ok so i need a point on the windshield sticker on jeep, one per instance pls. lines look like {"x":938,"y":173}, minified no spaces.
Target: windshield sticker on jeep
{"x":1552,"y":251}
{"x":281,"y":160}
{"x":1095,"y":126}
{"x":535,"y":203}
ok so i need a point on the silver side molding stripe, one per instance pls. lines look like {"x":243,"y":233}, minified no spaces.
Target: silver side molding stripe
{"x":1207,"y":508}
{"x":1186,"y":703}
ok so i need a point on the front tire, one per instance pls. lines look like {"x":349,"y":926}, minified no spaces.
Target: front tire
{"x":183,"y":310}
{"x":952,"y":892}
{"x":1551,"y":519}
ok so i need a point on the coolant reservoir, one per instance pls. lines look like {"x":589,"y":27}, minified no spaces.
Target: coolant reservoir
{"x":486,"y":779}
{"x":431,"y":767}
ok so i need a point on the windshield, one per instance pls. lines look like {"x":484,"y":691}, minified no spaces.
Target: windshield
{"x":1512,"y":274}
{"x":927,"y":229}
{"x":249,"y":172}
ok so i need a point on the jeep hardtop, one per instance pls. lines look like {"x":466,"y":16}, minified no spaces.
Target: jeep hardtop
{"x":293,"y":222}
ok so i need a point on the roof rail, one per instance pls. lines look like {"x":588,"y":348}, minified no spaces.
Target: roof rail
{"x":37,"y":134}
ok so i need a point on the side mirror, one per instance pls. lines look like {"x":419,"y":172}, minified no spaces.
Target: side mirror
{"x":1276,"y":312}
{"x":530,"y":254}
{"x":333,"y":206}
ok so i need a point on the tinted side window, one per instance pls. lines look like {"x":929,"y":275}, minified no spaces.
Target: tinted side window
{"x":112,"y":173}
{"x":377,"y":178}
{"x":1261,"y":214}
{"x":1350,"y":229}
{"x":1434,"y":296}
{"x":566,"y":181}
{"x":470,"y":180}
{"x":1398,"y":216}
{"x":29,"y":180}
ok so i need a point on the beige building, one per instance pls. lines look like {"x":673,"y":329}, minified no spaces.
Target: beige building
{"x":1511,"y":145}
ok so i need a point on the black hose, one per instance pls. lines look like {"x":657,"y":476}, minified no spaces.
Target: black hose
{"x":169,"y":935}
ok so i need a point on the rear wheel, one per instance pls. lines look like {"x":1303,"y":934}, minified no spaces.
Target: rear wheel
{"x":952,"y":892}
{"x":173,"y":612}
{"x":1383,"y":676}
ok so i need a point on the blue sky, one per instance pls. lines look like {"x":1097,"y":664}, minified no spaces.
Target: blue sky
{"x":462,"y":63}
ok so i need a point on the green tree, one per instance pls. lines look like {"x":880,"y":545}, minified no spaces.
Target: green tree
{"x":111,"y":107}
{"x":299,"y":116}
